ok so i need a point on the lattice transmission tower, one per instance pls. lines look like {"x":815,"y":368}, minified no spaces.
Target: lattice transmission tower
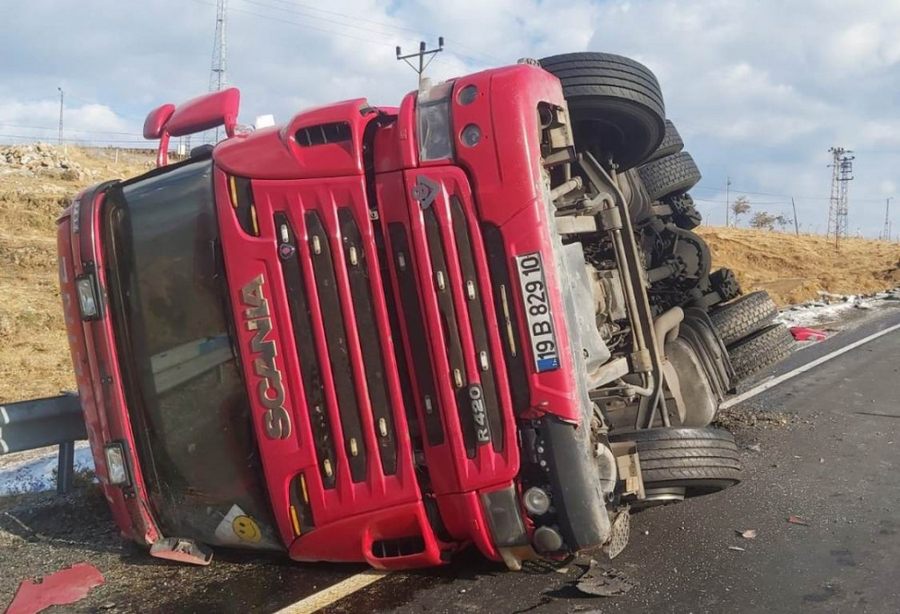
{"x":841,"y":175}
{"x":217,"y":76}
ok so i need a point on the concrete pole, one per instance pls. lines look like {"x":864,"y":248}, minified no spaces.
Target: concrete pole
{"x":727,"y":204}
{"x":60,"y":115}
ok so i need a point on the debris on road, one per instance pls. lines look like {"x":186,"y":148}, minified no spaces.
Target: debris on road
{"x":737,"y":548}
{"x":742,"y":417}
{"x":802,"y":333}
{"x":797,"y":520}
{"x":747,"y":533}
{"x":599,"y":581}
{"x":63,"y":587}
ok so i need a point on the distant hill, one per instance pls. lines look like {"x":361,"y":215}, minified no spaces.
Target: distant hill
{"x":795,"y":269}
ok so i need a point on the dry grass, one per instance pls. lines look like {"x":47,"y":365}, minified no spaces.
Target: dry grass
{"x":795,"y":269}
{"x":34,"y":353}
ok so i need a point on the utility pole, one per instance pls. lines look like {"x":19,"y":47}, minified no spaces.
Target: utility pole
{"x":841,"y":175}
{"x":218,"y":78}
{"x":60,"y":115}
{"x":421,"y":53}
{"x":886,"y":233}
{"x":727,"y":204}
{"x":796,"y":223}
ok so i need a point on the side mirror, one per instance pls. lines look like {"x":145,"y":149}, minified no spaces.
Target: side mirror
{"x":195,"y":115}
{"x":156,"y":121}
{"x":205,"y":112}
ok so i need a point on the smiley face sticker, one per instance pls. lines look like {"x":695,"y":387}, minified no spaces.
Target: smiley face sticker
{"x":246,"y":529}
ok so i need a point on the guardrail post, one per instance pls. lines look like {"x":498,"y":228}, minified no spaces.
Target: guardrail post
{"x":65,"y":467}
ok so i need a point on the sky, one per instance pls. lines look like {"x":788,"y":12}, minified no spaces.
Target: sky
{"x":759,"y":89}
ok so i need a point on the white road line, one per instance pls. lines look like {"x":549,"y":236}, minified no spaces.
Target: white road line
{"x":333,"y":593}
{"x":810,"y":365}
{"x":330,"y":595}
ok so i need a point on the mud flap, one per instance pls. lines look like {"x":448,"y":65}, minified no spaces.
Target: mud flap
{"x":621,"y":531}
{"x":181,"y":550}
{"x":577,"y":496}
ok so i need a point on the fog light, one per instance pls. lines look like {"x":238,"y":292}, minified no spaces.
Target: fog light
{"x":87,"y":297}
{"x":471,"y":135}
{"x":547,"y":540}
{"x":116,"y":466}
{"x":536,"y":501}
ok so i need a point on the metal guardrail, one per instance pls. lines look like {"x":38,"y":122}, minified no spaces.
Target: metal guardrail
{"x":38,"y":423}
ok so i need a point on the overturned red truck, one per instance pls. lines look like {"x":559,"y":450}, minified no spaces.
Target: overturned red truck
{"x":382,"y":334}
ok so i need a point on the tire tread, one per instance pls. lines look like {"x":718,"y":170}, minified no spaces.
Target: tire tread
{"x":674,"y":174}
{"x":743,"y":316}
{"x":761,"y":350}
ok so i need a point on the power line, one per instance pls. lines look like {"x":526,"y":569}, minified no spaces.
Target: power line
{"x":70,"y":130}
{"x":33,"y":139}
{"x":382,"y":36}
{"x":302,"y":6}
{"x":782,"y":195}
{"x":313,"y":16}
{"x":306,"y":10}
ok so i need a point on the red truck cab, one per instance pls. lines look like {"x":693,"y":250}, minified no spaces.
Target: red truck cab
{"x":344,"y":337}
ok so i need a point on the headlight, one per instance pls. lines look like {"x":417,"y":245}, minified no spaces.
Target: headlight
{"x":116,"y":466}
{"x":433,"y":122}
{"x":87,"y":297}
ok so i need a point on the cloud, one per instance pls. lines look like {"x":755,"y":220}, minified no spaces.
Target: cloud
{"x":39,"y":119}
{"x":759,"y":89}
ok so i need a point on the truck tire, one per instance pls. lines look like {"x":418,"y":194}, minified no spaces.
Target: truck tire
{"x":616,"y":105}
{"x":743,"y":316}
{"x":671,"y":143}
{"x":672,"y":175}
{"x":699,"y":460}
{"x":760,"y":350}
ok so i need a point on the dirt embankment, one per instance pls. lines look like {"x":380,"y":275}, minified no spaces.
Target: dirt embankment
{"x":795,"y":269}
{"x":36,"y":183}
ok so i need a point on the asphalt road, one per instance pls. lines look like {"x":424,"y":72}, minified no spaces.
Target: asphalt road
{"x":827,"y":452}
{"x":835,"y":464}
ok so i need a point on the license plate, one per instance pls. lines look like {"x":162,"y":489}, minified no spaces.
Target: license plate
{"x":537,"y":312}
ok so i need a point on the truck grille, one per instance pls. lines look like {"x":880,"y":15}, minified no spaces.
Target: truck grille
{"x":443,"y":280}
{"x":416,"y":333}
{"x":435,"y":307}
{"x":325,"y":285}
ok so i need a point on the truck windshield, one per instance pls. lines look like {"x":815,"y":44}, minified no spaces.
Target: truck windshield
{"x":187,"y":402}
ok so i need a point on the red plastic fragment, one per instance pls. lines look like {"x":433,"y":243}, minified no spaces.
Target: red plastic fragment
{"x":60,"y":588}
{"x":801,"y":333}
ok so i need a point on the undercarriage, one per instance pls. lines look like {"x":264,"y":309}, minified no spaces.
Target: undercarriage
{"x":649,"y":306}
